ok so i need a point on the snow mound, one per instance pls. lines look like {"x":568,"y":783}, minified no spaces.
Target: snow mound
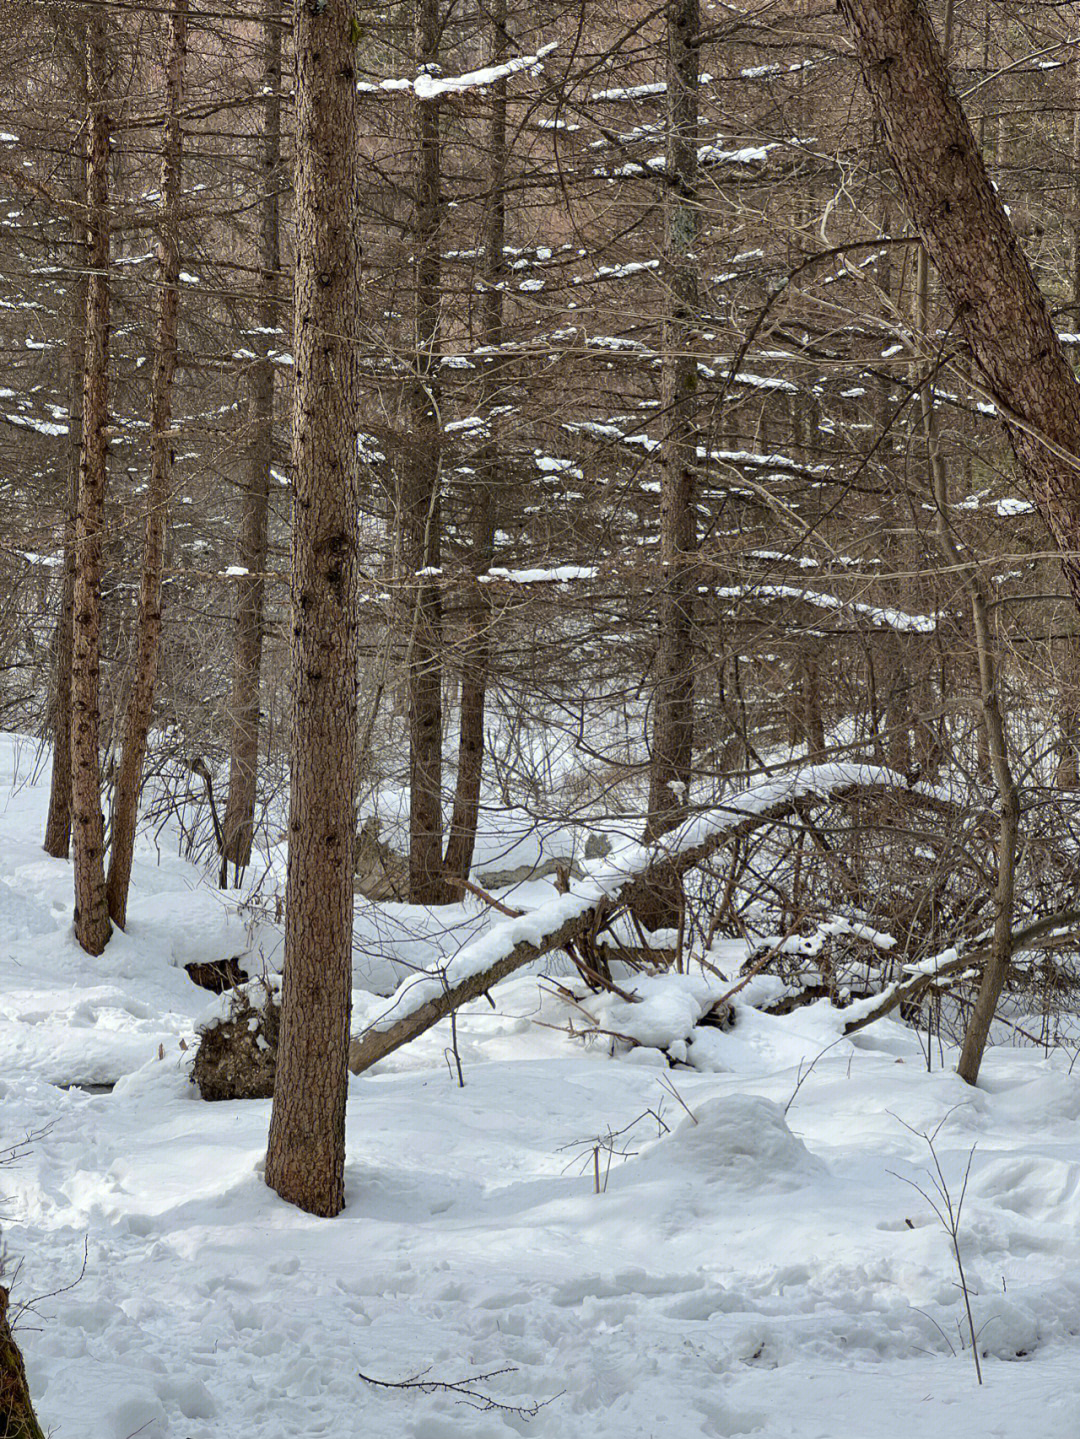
{"x":736,"y":1141}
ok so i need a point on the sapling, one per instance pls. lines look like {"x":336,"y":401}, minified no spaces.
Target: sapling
{"x":948,"y":1210}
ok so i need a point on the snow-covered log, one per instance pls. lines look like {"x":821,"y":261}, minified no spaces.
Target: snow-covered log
{"x":621,"y":879}
{"x":924,"y":977}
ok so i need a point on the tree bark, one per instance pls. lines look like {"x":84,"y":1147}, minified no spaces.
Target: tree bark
{"x":239,"y":822}
{"x":985,"y":274}
{"x":672,"y":739}
{"x":92,"y":927}
{"x":17,"y":1417}
{"x":125,"y":809}
{"x":476,"y":642}
{"x":305,"y":1160}
{"x":421,"y":501}
{"x":58,"y":822}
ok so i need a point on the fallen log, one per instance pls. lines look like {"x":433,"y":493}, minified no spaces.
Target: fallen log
{"x":930,"y":976}
{"x":621,"y":880}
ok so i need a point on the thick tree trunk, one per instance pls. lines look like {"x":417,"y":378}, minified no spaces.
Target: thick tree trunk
{"x":17,"y":1417}
{"x":148,"y":630}
{"x":476,"y":642}
{"x":92,"y":927}
{"x":421,"y":502}
{"x":672,"y":738}
{"x":984,"y":272}
{"x":58,"y":822}
{"x":239,"y":822}
{"x":305,"y":1159}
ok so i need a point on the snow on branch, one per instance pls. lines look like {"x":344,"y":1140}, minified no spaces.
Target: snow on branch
{"x":626,"y":875}
{"x":429,"y":86}
{"x":887,"y":618}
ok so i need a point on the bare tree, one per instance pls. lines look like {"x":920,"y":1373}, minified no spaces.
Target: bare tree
{"x":673,"y":702}
{"x":92,"y":926}
{"x":238,"y":823}
{"x":1019,"y":359}
{"x":148,"y":633}
{"x":421,"y":500}
{"x":305,"y":1159}
{"x":485,"y":485}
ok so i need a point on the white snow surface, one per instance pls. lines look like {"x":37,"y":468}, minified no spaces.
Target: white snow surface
{"x":760,"y":1268}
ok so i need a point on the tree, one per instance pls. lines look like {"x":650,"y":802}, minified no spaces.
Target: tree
{"x":1007,"y":325}
{"x":305,"y":1161}
{"x":92,"y":926}
{"x":125,"y":807}
{"x":239,"y":822}
{"x":671,"y":761}
{"x":421,"y":497}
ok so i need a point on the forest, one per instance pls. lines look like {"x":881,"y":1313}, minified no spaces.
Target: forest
{"x":539,"y":718}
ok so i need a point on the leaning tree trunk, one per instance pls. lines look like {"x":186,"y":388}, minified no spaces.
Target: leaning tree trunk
{"x":1008,"y":327}
{"x":672,"y":739}
{"x":985,"y":273}
{"x":239,"y":823}
{"x":58,"y":821}
{"x":17,"y":1417}
{"x":476,"y":642}
{"x":420,"y":502}
{"x":148,"y":630}
{"x":305,"y":1159}
{"x":92,"y":927}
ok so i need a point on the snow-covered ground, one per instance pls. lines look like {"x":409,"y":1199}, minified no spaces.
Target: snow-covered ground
{"x":762,"y":1267}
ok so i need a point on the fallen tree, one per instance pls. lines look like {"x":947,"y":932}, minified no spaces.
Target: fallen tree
{"x":622,"y":880}
{"x":935,"y":974}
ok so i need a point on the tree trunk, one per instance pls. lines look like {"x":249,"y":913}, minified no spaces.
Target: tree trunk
{"x":17,"y":1417}
{"x":984,"y":271}
{"x":672,"y":737}
{"x":125,"y":808}
{"x":58,"y":822}
{"x":476,"y":643}
{"x":92,"y":927}
{"x":305,"y":1160}
{"x":420,"y":504}
{"x":239,"y":823}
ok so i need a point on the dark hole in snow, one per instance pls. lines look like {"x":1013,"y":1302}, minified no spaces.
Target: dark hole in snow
{"x":217,"y":975}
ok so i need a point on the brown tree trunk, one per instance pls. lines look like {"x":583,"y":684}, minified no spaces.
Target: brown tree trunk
{"x":17,"y":1417}
{"x":92,"y":927}
{"x":984,"y":272}
{"x":58,"y":822}
{"x":125,"y":808}
{"x":672,"y":739}
{"x":476,"y":643}
{"x":305,"y":1161}
{"x":239,"y":822}
{"x":420,"y":503}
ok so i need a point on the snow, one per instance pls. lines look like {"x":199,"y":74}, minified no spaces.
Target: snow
{"x":559,"y":575}
{"x":431,"y":86}
{"x":886,"y":617}
{"x":755,"y":1263}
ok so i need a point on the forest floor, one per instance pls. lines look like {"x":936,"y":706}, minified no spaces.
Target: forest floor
{"x":763,"y":1267}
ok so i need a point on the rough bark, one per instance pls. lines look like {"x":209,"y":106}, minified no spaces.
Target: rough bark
{"x":140,"y":704}
{"x":476,"y":643}
{"x":239,"y":822}
{"x":672,"y":738}
{"x":421,"y":520}
{"x":58,"y":822}
{"x":305,"y":1160}
{"x":985,"y":274}
{"x":17,"y":1417}
{"x":92,"y":927}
